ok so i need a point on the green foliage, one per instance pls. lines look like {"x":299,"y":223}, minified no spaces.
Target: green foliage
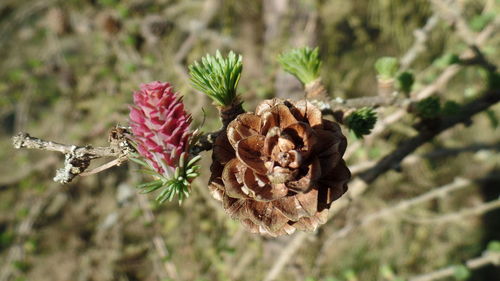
{"x":130,"y":67}
{"x":350,"y":275}
{"x":21,"y":265}
{"x":303,"y":63}
{"x":387,"y":272}
{"x":386,"y":67}
{"x":494,"y":246}
{"x":493,"y":118}
{"x":108,"y":3}
{"x":428,"y":108}
{"x":361,"y":121}
{"x":450,"y":108}
{"x":23,"y":213}
{"x":461,"y":272}
{"x":405,"y":82}
{"x":130,"y":40}
{"x":479,"y":22}
{"x":470,"y":92}
{"x":31,"y":245}
{"x":176,"y":185}
{"x":6,"y":238}
{"x":493,"y":80}
{"x":331,"y":279}
{"x":123,"y":11}
{"x":217,"y":76}
{"x":374,"y":152}
{"x":16,"y":75}
{"x":446,"y":60}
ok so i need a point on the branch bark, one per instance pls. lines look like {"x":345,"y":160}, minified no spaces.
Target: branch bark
{"x":404,"y":149}
{"x":78,"y":158}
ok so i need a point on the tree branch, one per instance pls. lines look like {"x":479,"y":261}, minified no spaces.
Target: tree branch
{"x":446,"y":75}
{"x":432,"y":155}
{"x":285,"y":256}
{"x":473,"y":211}
{"x":397,"y":209}
{"x":418,"y":47}
{"x":78,"y":158}
{"x":404,"y":149}
{"x":204,"y":143}
{"x":487,"y":258}
{"x":339,"y":104}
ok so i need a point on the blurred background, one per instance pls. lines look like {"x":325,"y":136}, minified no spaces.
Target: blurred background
{"x":67,"y":73}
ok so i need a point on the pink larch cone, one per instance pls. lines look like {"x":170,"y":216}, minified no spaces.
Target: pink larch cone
{"x":160,"y":125}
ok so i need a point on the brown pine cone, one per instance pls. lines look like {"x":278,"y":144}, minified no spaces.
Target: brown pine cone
{"x":280,"y":168}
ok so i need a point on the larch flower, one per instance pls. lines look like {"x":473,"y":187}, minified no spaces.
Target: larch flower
{"x":160,"y":125}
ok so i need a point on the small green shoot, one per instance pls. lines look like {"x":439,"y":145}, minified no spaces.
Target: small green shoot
{"x":217,"y":77}
{"x":303,"y":63}
{"x":361,"y":121}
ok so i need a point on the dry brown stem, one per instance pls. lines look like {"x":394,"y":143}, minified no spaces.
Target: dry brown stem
{"x":315,"y":90}
{"x":78,"y":158}
{"x":229,"y":113}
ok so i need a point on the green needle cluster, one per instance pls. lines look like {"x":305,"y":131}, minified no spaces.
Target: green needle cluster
{"x":361,"y":121}
{"x":176,"y":185}
{"x":303,"y":63}
{"x":217,"y":76}
{"x":387,"y":67}
{"x":428,"y":108}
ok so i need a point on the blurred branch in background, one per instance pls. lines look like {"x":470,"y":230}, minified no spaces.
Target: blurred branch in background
{"x":42,"y":165}
{"x":439,"y":83}
{"x":419,"y":45}
{"x":397,"y":211}
{"x":16,"y":253}
{"x":436,"y":154}
{"x":157,"y":239}
{"x":464,"y":115}
{"x":208,"y":12}
{"x":459,"y":215}
{"x":487,"y":258}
